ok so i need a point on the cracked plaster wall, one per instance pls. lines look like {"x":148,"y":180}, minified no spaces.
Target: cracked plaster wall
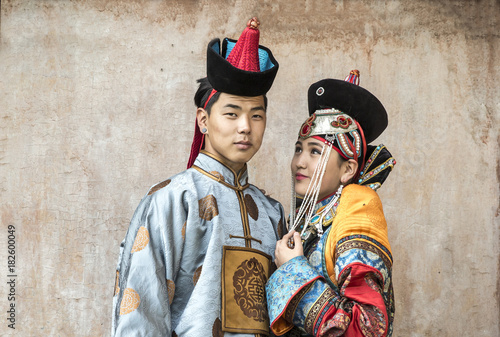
{"x":96,"y":106}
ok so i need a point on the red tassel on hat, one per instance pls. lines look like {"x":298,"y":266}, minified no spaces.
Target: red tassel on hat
{"x":353,"y":77}
{"x":197,"y":145}
{"x":245,"y":54}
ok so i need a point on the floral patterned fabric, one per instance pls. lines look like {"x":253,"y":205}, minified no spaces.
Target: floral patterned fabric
{"x":342,"y":286}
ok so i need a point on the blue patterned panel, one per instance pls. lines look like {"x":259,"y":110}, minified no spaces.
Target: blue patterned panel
{"x":285,"y":282}
{"x":361,"y":256}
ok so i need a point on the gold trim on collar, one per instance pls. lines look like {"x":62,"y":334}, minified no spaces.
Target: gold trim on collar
{"x":236,"y":175}
{"x":218,"y":179}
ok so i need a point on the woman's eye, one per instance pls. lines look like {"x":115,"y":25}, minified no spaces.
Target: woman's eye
{"x":298,"y":150}
{"x":314,"y":151}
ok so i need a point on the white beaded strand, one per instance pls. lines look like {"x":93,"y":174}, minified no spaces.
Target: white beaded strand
{"x":312,"y":193}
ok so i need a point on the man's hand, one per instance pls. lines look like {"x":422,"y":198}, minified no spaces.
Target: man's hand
{"x":283,"y":252}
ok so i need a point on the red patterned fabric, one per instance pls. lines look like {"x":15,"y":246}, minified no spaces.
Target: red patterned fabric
{"x":362,"y":291}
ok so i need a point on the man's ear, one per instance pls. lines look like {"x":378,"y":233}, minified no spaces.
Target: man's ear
{"x":202,"y":118}
{"x":348,"y":169}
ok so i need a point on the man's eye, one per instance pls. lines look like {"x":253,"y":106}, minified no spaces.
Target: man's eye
{"x":258,"y":116}
{"x":231,"y":114}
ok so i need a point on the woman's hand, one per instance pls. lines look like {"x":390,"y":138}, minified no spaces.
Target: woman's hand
{"x":283,"y":252}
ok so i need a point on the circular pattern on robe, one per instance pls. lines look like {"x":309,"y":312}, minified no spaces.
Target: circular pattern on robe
{"x":372,"y":321}
{"x":130,"y":301}
{"x":141,"y":239}
{"x":117,"y":288}
{"x":159,"y":186}
{"x":249,"y":293}
{"x":170,"y":290}
{"x":218,"y":175}
{"x":183,"y":231}
{"x":217,"y":328}
{"x":252,"y":209}
{"x":197,"y":274}
{"x":315,"y":259}
{"x":208,"y":207}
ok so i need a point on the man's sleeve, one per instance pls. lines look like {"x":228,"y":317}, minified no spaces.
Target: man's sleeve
{"x":149,"y":261}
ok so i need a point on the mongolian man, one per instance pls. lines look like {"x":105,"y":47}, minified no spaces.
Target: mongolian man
{"x":200,"y":245}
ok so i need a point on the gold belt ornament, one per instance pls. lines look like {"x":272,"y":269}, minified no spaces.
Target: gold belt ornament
{"x":244,"y":275}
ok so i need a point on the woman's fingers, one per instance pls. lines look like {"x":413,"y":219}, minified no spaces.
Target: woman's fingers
{"x":297,"y":243}
{"x":288,"y":235}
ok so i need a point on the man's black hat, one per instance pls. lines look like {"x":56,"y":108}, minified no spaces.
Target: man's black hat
{"x":241,"y":67}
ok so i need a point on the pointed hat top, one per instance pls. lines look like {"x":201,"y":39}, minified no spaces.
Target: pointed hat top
{"x":245,"y":54}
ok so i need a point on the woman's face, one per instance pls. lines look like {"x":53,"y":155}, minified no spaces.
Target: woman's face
{"x":304,"y":162}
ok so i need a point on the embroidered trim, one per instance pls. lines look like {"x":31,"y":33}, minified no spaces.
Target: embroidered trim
{"x":292,"y":305}
{"x":342,"y":246}
{"x":342,"y":122}
{"x":332,"y":303}
{"x":331,"y":111}
{"x":366,"y":174}
{"x":307,"y":127}
{"x":357,"y":141}
{"x":317,"y":309}
{"x":344,"y":146}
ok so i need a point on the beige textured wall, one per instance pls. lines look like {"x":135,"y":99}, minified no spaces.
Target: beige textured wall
{"x":96,"y":106}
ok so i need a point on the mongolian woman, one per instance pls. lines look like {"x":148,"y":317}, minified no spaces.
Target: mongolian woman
{"x":334,"y":265}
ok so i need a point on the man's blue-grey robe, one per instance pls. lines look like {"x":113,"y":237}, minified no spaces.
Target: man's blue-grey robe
{"x":168,"y":278}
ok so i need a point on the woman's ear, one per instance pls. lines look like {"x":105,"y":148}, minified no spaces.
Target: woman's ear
{"x":348,"y":169}
{"x":202,"y":118}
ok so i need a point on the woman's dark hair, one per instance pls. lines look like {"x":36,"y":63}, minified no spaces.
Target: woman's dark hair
{"x":204,"y":90}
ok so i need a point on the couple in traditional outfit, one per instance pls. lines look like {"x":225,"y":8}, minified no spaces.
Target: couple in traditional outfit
{"x":209,"y":254}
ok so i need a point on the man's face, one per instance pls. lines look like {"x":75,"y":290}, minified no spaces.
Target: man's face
{"x":235,"y":128}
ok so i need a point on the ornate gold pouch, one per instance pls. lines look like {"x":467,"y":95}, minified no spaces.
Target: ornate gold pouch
{"x":244,"y":275}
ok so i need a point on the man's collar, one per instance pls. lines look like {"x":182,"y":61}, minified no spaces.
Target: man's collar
{"x":214,"y":167}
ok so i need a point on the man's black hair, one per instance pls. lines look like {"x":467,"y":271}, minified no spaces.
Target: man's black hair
{"x":201,"y":96}
{"x":204,"y":90}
